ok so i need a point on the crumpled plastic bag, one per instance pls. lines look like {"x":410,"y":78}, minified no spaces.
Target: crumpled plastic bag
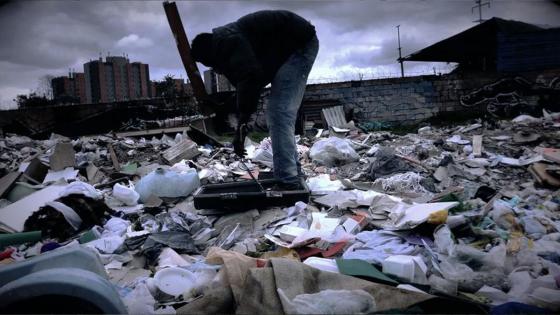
{"x":443,"y":238}
{"x":107,"y":245}
{"x":329,"y":302}
{"x":323,"y":184}
{"x":333,"y":151}
{"x":297,"y":209}
{"x":386,"y":163}
{"x":141,"y":301}
{"x":503,"y":215}
{"x":115,"y":226}
{"x":455,"y":271}
{"x":180,"y":241}
{"x":263,"y":153}
{"x":126,"y":194}
{"x":180,"y":167}
{"x":81,"y":188}
{"x":375,"y":246}
{"x":214,"y":173}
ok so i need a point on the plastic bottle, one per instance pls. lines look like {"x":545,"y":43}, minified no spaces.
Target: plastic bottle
{"x":164,"y":183}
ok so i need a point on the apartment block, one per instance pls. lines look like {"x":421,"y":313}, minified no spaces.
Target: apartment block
{"x":116,"y":79}
{"x":69,"y":89}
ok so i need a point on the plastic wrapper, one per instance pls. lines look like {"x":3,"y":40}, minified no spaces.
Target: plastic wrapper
{"x":443,"y":238}
{"x":140,"y":301}
{"x":503,"y":215}
{"x":126,"y":194}
{"x":333,"y":151}
{"x":445,"y":286}
{"x":533,"y":228}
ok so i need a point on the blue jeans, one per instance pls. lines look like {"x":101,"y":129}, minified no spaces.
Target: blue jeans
{"x":286,"y":94}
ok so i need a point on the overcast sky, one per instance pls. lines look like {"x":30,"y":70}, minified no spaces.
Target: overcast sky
{"x":356,"y":37}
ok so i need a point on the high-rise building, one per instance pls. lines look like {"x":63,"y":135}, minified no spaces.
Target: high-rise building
{"x":153,"y":89}
{"x":116,"y":79}
{"x":120,"y":77}
{"x":96,"y":87}
{"x":69,"y":89}
{"x":223,"y":83}
{"x":139,"y":83}
{"x":214,"y":82}
{"x":210,"y":81}
{"x":80,"y":86}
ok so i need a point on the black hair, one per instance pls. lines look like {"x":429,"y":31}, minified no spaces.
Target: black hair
{"x":201,"y":49}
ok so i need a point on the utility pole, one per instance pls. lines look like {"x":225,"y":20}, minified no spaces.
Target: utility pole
{"x":400,"y":56}
{"x":479,"y":5}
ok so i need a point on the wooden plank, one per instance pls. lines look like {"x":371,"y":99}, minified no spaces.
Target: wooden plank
{"x":36,"y":171}
{"x":334,"y":116}
{"x":552,"y":154}
{"x":340,"y":115}
{"x":151,"y":132}
{"x":477,"y":145}
{"x":114,"y":158}
{"x":7,"y":182}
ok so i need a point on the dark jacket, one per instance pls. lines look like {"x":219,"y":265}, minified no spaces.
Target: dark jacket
{"x":250,"y":51}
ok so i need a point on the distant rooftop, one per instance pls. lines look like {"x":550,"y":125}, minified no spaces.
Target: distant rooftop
{"x":492,"y":44}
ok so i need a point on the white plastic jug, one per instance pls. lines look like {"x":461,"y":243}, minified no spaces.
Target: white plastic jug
{"x":164,"y":183}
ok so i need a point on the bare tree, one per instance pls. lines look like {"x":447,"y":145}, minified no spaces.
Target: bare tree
{"x":44,"y":86}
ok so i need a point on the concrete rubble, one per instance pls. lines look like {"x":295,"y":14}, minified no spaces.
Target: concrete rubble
{"x":463,"y":212}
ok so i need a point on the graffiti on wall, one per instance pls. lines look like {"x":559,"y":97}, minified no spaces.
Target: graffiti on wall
{"x":510,"y":96}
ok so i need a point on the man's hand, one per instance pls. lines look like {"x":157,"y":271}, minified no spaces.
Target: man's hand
{"x":239,"y":140}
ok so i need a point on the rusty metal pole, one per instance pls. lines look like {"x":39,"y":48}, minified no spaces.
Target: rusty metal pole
{"x":184,"y":50}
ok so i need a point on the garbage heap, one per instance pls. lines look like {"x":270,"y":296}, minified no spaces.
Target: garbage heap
{"x":444,"y":219}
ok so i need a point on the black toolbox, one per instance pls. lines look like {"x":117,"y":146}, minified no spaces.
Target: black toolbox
{"x":247,"y":195}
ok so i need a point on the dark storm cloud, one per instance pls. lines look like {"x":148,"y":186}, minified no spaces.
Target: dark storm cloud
{"x":48,"y":37}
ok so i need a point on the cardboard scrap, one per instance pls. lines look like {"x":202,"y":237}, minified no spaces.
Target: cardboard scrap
{"x":406,"y":268}
{"x":63,"y":156}
{"x":551,"y":154}
{"x":306,"y":252}
{"x":66,"y":174}
{"x":322,"y":224}
{"x":289,"y":233}
{"x":114,"y":158}
{"x":278,"y":241}
{"x":14,"y":215}
{"x":35,"y":171}
{"x":94,"y":175}
{"x":541,"y":175}
{"x":477,"y":145}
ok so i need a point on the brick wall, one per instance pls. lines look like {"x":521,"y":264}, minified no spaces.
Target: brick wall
{"x":403,"y":101}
